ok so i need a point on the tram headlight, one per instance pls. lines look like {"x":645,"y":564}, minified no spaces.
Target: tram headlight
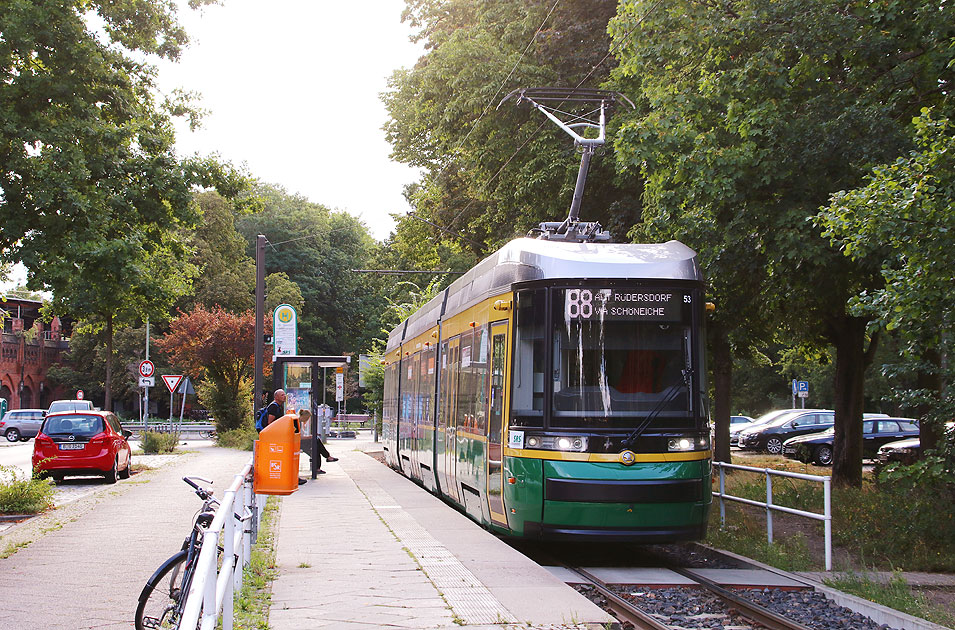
{"x":688,"y":443}
{"x":569,"y":443}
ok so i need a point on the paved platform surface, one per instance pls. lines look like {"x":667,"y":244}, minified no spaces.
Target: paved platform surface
{"x":83,"y":565}
{"x":362,"y":547}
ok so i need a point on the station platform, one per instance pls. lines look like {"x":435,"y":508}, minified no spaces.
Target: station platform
{"x":363,"y":547}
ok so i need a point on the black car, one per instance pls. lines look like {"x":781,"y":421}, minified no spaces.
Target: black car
{"x":771,"y":435}
{"x":817,"y":447}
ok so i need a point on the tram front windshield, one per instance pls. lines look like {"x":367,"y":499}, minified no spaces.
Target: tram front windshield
{"x":617,"y":356}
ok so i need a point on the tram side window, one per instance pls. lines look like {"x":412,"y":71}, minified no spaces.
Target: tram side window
{"x":427,"y":386}
{"x":407,"y":394}
{"x":464,"y":417}
{"x":444,"y":390}
{"x":528,"y":363}
{"x":479,"y":371}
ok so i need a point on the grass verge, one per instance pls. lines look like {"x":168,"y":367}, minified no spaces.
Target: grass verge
{"x":895,"y":594}
{"x":252,"y":604}
{"x":743,"y":535}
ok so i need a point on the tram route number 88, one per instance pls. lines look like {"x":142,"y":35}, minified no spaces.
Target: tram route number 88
{"x":585,"y":303}
{"x":579,"y":303}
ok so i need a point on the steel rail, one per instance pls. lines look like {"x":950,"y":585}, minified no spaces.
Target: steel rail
{"x":621,"y":608}
{"x":744,"y":607}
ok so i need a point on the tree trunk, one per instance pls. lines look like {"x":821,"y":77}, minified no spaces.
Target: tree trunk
{"x":722,"y":362}
{"x":929,"y":380}
{"x":108,"y":387}
{"x":848,"y":336}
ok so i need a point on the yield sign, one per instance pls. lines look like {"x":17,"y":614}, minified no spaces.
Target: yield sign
{"x":171,"y":381}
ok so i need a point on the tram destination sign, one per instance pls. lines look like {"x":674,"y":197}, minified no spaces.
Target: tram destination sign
{"x":662,"y":305}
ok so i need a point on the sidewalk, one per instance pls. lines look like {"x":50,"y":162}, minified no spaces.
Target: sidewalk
{"x":362,"y":547}
{"x":84,"y":564}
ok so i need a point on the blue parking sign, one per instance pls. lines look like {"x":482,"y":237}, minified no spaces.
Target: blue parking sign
{"x":802,"y":386}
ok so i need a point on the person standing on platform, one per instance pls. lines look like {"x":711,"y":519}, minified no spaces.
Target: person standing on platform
{"x":276,"y":408}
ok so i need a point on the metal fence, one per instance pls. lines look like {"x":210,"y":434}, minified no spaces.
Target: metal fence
{"x":212,"y":591}
{"x":825,"y":517}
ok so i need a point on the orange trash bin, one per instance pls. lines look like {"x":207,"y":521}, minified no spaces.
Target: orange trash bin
{"x":276,"y":456}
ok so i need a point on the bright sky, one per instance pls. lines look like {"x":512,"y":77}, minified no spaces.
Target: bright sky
{"x":291,"y":88}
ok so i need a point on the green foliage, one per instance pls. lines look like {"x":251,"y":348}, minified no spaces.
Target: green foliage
{"x":20,"y":494}
{"x":905,"y":216}
{"x":227,"y":274}
{"x":374,"y":393}
{"x":895,"y":594}
{"x":158,"y":443}
{"x":867,"y":521}
{"x":229,"y":402}
{"x":279,"y":289}
{"x":241,"y":438}
{"x":317,"y":249}
{"x":490,"y":176}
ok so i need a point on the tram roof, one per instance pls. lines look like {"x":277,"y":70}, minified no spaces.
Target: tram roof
{"x":526,"y":259}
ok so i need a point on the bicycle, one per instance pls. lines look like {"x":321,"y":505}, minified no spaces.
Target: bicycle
{"x":163,"y":599}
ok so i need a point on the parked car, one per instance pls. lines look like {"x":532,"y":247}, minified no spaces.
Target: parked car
{"x":764,"y":419}
{"x":82,"y":443}
{"x":21,"y":424}
{"x":771,"y":435}
{"x":902,"y":451}
{"x":817,"y":447}
{"x":906,"y":451}
{"x":70,"y":405}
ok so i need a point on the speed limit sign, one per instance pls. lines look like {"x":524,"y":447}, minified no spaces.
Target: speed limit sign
{"x":146,"y":369}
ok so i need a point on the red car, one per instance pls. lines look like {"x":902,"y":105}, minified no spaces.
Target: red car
{"x":82,"y":443}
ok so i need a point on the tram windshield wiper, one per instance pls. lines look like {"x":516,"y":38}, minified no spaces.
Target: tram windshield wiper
{"x":687,"y":373}
{"x":660,"y":406}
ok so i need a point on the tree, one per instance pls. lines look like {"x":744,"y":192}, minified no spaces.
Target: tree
{"x":317,"y":250}
{"x":215,"y":348}
{"x":280,"y":290}
{"x":492,"y":175}
{"x":751,"y":114}
{"x":905,"y":215}
{"x":226,"y":275}
{"x":91,"y":190}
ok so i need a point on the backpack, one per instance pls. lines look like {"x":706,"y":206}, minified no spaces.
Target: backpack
{"x":261,"y":417}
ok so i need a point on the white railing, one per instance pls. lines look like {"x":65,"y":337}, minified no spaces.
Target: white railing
{"x":825,"y":517}
{"x":212,"y":591}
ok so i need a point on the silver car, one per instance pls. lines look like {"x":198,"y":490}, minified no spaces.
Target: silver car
{"x":21,"y":424}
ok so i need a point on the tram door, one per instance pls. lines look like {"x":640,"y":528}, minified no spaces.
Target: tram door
{"x":495,"y":424}
{"x":449,"y":450}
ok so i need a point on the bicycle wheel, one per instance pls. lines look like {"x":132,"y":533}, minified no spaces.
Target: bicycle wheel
{"x":160,"y":603}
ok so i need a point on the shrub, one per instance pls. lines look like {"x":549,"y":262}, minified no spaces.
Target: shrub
{"x":240,"y":438}
{"x":155,"y":442}
{"x":909,"y":528}
{"x":22,"y":495}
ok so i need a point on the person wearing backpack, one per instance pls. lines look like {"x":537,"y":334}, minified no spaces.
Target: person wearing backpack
{"x":275,"y":409}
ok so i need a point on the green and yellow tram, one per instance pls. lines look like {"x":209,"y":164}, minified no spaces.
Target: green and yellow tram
{"x":556,"y":391}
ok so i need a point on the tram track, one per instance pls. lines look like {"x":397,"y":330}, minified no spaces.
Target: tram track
{"x":731,"y":610}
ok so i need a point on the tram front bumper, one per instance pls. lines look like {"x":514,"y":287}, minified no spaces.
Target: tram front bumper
{"x":609,"y":501}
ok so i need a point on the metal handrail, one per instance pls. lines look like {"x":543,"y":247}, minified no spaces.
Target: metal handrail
{"x":825,"y":517}
{"x":212,"y":591}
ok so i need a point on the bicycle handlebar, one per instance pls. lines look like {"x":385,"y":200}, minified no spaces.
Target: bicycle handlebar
{"x":200,"y":491}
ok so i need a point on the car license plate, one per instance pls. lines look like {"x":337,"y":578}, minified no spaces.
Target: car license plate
{"x":72,"y":447}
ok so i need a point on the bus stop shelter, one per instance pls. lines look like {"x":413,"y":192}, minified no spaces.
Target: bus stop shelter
{"x":303,"y":377}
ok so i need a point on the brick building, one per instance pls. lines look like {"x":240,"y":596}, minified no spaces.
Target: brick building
{"x":29,"y":348}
